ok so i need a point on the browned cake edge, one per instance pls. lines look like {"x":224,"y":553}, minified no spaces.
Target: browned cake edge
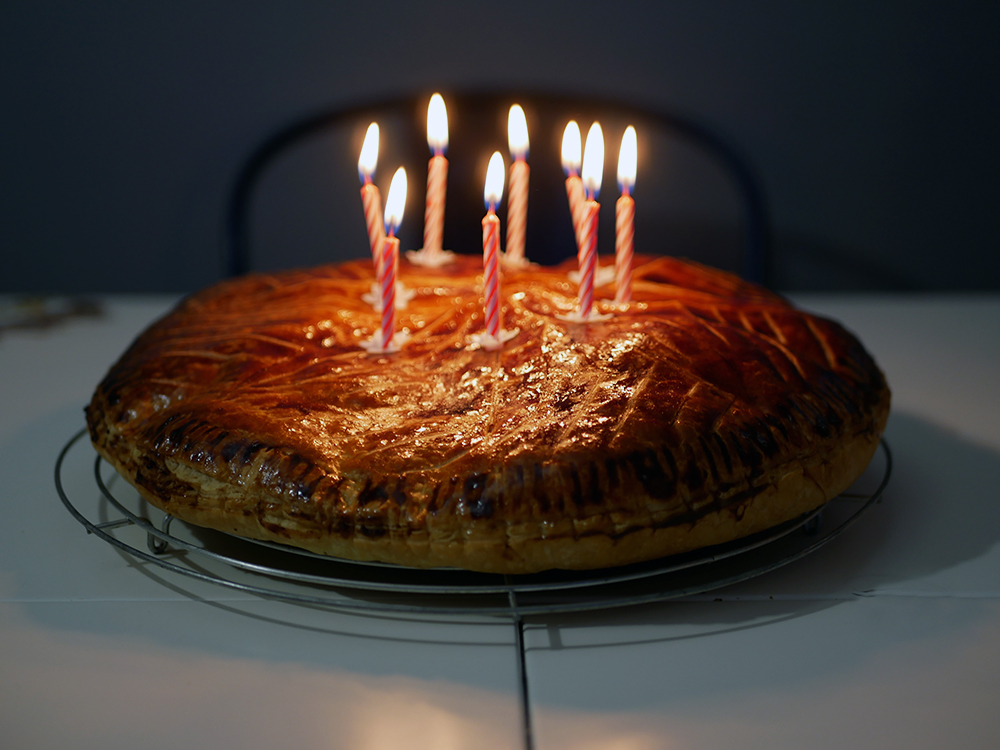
{"x":784,"y":492}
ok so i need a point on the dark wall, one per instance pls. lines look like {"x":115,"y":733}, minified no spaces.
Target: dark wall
{"x":872,"y":125}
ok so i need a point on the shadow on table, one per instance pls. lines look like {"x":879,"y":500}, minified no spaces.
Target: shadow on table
{"x":938,"y":514}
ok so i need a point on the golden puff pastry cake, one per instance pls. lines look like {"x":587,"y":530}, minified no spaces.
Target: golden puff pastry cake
{"x":706,"y":410}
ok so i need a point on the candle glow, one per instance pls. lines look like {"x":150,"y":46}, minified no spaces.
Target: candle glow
{"x":437,"y":125}
{"x":627,"y":158}
{"x":593,"y":161}
{"x":517,"y":133}
{"x":493,"y":191}
{"x":369,"y":154}
{"x":395,"y":202}
{"x":571,"y":148}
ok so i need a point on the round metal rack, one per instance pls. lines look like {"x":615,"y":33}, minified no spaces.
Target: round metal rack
{"x":119,"y":516}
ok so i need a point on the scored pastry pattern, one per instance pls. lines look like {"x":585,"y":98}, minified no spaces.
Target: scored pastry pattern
{"x":692,"y":400}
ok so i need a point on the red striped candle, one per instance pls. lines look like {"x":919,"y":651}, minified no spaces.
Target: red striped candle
{"x":437,"y":175}
{"x":571,"y":157}
{"x":387,"y":288}
{"x":574,"y":192}
{"x":624,"y":237}
{"x":386,"y":339}
{"x":588,"y":258}
{"x":517,"y":195}
{"x":491,"y":275}
{"x":592,"y":175}
{"x":371,"y":199}
{"x":491,"y":246}
{"x":625,"y":217}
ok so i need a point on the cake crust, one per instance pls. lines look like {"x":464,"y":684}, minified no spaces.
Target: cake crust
{"x":706,"y":410}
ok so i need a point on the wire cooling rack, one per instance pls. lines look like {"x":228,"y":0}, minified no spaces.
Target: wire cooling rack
{"x":112,"y":510}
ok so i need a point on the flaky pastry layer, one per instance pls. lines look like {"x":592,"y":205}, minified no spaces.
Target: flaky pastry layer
{"x":705,"y":410}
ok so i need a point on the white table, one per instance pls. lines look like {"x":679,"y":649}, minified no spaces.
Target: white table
{"x":887,"y":637}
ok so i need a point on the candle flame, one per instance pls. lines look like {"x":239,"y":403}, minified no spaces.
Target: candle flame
{"x":571,"y":148}
{"x":494,"y":180}
{"x":517,"y":133}
{"x":593,"y":161}
{"x":627,"y":158}
{"x":437,"y":125}
{"x":369,"y":154}
{"x":395,"y":201}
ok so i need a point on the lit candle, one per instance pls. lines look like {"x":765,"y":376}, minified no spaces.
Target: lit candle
{"x":371,"y":199}
{"x":571,"y":156}
{"x":517,"y":196}
{"x":386,"y":339}
{"x":625,"y":217}
{"x":593,"y":173}
{"x":495,"y":336}
{"x":437,"y":186}
{"x":491,"y":242}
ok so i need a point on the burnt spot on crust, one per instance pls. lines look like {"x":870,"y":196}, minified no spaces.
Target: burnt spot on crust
{"x":724,"y":452}
{"x":585,"y":485}
{"x":439,"y":499}
{"x":746,"y":449}
{"x":473,"y":491}
{"x":611,"y":471}
{"x":307,"y":485}
{"x":540,"y":496}
{"x":651,"y":475}
{"x":765,"y":440}
{"x":693,"y":477}
{"x":251,"y":450}
{"x":593,"y":489}
{"x":709,"y":457}
{"x":575,"y":489}
{"x":179,"y":433}
{"x":222,"y":435}
{"x":372,"y":493}
{"x":230,"y":449}
{"x":777,"y":424}
{"x":815,"y":418}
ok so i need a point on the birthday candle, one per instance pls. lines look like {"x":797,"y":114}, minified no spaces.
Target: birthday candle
{"x":390,"y":255}
{"x":593,"y":172}
{"x":491,"y":243}
{"x":371,"y":199}
{"x":625,"y":217}
{"x":571,"y":150}
{"x":437,"y":175}
{"x":517,"y":196}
